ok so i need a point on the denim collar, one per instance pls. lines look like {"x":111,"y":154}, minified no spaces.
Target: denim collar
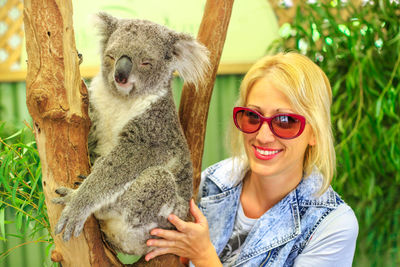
{"x":228,"y":174}
{"x":283,"y":219}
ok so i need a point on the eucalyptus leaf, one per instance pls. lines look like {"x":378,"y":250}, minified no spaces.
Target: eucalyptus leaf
{"x":2,"y":224}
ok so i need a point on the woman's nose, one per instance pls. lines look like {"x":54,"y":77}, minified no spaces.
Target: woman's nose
{"x":265,"y":135}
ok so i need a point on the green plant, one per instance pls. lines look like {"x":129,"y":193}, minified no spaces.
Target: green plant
{"x":21,"y":189}
{"x":358,"y":48}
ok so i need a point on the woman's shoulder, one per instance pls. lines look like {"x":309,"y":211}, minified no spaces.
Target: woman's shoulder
{"x":333,"y":241}
{"x":341,"y":220}
{"x":225,"y":174}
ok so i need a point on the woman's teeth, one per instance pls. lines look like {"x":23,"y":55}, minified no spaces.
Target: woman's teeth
{"x":267,"y":152}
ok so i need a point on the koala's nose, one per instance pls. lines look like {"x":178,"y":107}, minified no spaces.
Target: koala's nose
{"x":123,"y":68}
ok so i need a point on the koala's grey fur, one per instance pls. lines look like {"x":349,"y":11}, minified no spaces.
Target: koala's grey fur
{"x":143,"y":170}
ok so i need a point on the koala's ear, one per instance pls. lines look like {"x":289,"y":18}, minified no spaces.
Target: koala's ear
{"x":191,"y":59}
{"x":106,"y":25}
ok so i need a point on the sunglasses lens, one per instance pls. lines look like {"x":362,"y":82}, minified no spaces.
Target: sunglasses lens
{"x":286,"y":126}
{"x":247,"y":121}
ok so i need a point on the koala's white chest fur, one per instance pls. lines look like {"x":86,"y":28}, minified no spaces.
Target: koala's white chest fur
{"x":114,"y":113}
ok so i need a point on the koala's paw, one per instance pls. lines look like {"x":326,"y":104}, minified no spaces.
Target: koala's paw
{"x":72,"y":221}
{"x":66,"y":195}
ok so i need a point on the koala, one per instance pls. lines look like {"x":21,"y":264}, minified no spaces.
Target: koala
{"x":142,"y":170}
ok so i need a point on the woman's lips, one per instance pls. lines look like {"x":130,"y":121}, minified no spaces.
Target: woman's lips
{"x":266,"y":153}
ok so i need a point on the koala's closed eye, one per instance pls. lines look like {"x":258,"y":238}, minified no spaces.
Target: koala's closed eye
{"x":146,"y":64}
{"x":110,"y":57}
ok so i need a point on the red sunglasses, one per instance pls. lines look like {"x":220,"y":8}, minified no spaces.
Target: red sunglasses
{"x":282,"y":125}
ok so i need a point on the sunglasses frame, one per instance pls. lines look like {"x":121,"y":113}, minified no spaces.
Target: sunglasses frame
{"x":269,"y":121}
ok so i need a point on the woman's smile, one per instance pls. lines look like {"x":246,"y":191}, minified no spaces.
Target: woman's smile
{"x":266,"y":153}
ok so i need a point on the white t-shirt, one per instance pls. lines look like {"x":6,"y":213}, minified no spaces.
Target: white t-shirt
{"x":332,"y":244}
{"x":334,"y":241}
{"x":241,"y":229}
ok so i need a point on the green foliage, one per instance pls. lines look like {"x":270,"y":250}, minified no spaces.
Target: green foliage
{"x":358,"y":48}
{"x":21,"y":189}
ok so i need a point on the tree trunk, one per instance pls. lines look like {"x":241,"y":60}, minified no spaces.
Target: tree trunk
{"x":193,"y":109}
{"x":57,"y":101}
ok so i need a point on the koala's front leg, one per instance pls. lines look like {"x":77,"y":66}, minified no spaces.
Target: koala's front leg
{"x":110,"y":178}
{"x":73,"y":216}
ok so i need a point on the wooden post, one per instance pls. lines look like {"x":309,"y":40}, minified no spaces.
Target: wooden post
{"x":193,"y":109}
{"x":57,"y":101}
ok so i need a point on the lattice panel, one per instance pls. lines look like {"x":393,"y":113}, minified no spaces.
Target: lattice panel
{"x":11,"y":34}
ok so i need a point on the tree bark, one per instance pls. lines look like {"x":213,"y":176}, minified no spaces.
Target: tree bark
{"x":57,"y":101}
{"x":193,"y":109}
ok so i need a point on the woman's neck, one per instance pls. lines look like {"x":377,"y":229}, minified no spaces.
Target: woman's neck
{"x":259,"y":194}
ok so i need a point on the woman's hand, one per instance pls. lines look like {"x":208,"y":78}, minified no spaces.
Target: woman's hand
{"x":191,"y":240}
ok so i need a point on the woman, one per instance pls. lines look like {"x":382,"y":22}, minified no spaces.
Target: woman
{"x":271,"y":204}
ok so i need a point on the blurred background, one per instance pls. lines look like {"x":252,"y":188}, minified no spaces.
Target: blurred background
{"x":356,"y":43}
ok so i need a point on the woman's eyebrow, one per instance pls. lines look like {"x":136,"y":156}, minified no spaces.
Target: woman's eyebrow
{"x":285,"y":110}
{"x":257,"y":108}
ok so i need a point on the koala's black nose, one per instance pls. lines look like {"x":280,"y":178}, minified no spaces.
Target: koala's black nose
{"x":123,"y":68}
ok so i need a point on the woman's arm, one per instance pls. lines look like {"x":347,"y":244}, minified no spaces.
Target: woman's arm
{"x":191,"y":240}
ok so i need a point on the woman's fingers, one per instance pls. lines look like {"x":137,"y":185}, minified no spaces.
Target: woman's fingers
{"x":157,"y":252}
{"x":161,"y":243}
{"x":197,"y":214}
{"x":183,"y":226}
{"x":189,"y":240}
{"x":178,"y":223}
{"x":167,"y":234}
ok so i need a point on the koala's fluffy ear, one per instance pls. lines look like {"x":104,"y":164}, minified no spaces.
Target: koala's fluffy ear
{"x":191,"y":58}
{"x":106,"y":25}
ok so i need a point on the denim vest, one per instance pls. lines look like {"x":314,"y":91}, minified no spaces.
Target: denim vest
{"x":281,"y":233}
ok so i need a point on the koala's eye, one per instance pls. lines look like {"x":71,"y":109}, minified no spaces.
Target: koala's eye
{"x":146,"y":64}
{"x":109,"y":57}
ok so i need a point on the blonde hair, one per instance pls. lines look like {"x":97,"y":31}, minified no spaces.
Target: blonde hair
{"x":309,"y":91}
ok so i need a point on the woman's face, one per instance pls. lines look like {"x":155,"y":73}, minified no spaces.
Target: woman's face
{"x":269,"y":155}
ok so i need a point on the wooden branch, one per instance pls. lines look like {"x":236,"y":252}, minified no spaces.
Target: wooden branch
{"x":57,"y":101}
{"x":193,"y":109}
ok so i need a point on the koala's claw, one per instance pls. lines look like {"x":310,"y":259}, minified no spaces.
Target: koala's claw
{"x":72,"y":225}
{"x":63,"y":191}
{"x":66,"y":195}
{"x":77,"y":183}
{"x":83,"y":177}
{"x":80,"y":57}
{"x":60,"y":225}
{"x":74,"y":228}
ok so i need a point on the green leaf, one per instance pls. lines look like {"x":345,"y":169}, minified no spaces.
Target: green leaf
{"x":18,"y":221}
{"x":14,"y":135}
{"x":2,"y":224}
{"x":41,"y":202}
{"x":378,"y":108}
{"x":14,"y":191}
